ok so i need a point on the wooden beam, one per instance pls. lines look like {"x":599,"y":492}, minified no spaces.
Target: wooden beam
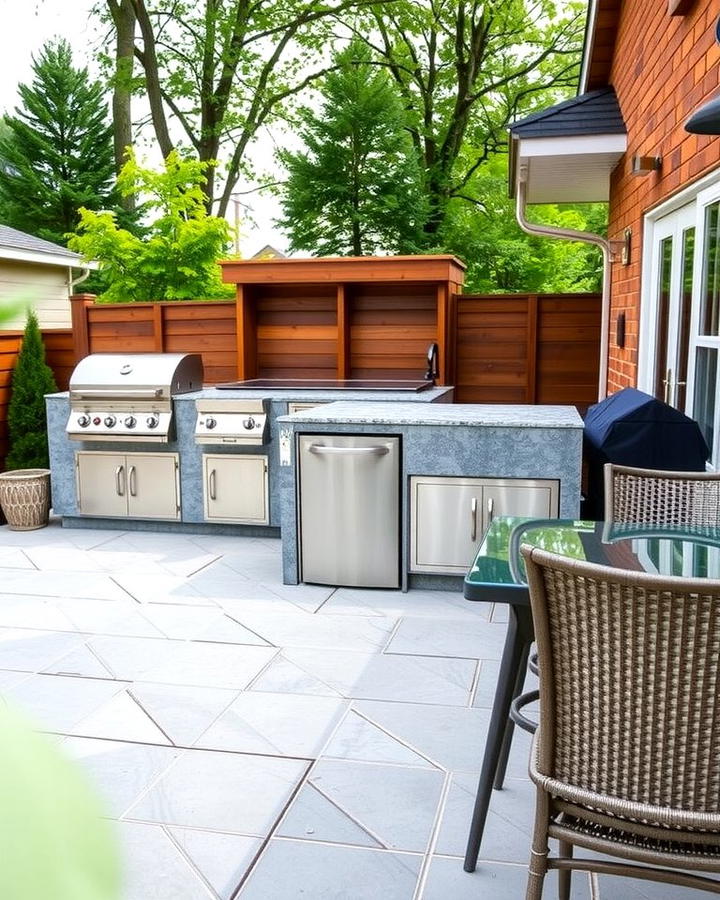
{"x":343,"y":333}
{"x":158,"y":328}
{"x":344,"y":269}
{"x":246,"y":334}
{"x":531,"y":349}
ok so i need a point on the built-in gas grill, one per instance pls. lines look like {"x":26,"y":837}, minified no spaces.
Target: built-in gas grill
{"x":223,"y":421}
{"x":128,"y":397}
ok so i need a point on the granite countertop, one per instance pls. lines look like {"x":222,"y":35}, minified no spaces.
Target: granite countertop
{"x":322,"y":395}
{"x":399,"y":413}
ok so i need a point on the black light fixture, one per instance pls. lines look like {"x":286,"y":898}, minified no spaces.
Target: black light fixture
{"x":706,"y":120}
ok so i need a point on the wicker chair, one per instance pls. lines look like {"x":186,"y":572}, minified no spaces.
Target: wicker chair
{"x":626,"y":760}
{"x":655,"y":497}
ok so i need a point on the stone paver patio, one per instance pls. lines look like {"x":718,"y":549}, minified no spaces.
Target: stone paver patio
{"x":263,"y":741}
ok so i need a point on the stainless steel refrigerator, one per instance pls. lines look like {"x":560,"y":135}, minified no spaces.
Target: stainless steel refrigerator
{"x":349,"y":502}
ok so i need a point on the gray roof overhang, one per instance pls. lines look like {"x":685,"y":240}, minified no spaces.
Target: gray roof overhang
{"x":569,"y":150}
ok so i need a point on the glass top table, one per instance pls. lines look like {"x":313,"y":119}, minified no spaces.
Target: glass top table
{"x":497,"y":575}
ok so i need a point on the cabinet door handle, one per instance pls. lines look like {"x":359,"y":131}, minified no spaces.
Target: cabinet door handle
{"x":133,"y":492}
{"x":213,"y":495}
{"x":473,"y":519}
{"x":491,"y":510}
{"x":119,"y":488}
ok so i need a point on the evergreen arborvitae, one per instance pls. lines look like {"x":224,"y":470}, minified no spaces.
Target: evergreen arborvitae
{"x":56,"y":154}
{"x":27,"y":423}
{"x":355,"y":188}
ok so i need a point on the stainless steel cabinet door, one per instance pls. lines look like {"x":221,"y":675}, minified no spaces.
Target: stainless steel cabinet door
{"x":137,"y":485}
{"x":350,"y":509}
{"x":236,"y":488}
{"x":153,"y":486}
{"x":101,"y":484}
{"x":449,"y":515}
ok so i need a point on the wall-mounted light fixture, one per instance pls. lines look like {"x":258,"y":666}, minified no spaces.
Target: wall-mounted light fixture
{"x":620,"y":248}
{"x":644,"y":165}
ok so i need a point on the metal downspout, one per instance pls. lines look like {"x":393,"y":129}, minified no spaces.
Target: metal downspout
{"x":587,"y":237}
{"x":73,"y":283}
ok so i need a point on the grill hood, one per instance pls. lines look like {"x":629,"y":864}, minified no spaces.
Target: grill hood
{"x":136,"y":376}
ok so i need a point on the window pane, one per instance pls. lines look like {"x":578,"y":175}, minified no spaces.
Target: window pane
{"x":683,"y":337}
{"x":663,"y":307}
{"x":710,"y":312}
{"x":705,"y":381}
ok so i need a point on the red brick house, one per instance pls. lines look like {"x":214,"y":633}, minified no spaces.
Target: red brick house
{"x":648,"y":66}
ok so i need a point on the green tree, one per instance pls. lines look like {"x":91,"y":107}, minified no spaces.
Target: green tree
{"x":219,"y":71}
{"x":465,"y":70}
{"x":58,"y":154}
{"x":176,"y":258}
{"x":355,"y":188}
{"x":32,"y":378}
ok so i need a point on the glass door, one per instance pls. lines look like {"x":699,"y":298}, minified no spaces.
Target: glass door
{"x":706,"y":324}
{"x":673,"y":249}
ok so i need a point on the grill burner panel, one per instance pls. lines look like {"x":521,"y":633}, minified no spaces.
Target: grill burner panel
{"x":325,"y":384}
{"x":128,"y":397}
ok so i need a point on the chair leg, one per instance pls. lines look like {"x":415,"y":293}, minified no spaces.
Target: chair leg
{"x":537,"y":867}
{"x":565,"y":849}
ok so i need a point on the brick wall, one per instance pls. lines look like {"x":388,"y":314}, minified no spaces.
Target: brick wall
{"x":664,"y":68}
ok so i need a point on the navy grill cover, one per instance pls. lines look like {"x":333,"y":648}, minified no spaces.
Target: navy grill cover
{"x":631,"y":428}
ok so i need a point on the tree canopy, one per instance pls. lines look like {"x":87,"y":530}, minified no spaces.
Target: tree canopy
{"x":56,"y":149}
{"x":355,"y":188}
{"x":176,"y":259}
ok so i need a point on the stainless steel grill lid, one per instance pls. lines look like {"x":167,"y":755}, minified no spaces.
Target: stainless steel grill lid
{"x":129,"y":396}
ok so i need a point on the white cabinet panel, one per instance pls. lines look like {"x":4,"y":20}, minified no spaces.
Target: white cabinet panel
{"x":124,"y":485}
{"x":449,"y":515}
{"x":236,"y":488}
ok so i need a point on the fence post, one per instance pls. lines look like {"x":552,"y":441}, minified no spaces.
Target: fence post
{"x":531,"y":350}
{"x":79,"y":304}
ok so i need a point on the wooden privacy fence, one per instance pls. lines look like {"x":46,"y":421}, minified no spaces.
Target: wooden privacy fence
{"x":535,"y":348}
{"x":509,"y":348}
{"x":499,"y":348}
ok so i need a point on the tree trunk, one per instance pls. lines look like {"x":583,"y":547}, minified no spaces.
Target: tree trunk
{"x":123,"y":16}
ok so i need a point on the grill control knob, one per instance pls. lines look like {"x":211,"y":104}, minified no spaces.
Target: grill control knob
{"x":152,"y":421}
{"x":97,"y":420}
{"x":130,"y":421}
{"x":210,"y":422}
{"x":249,"y":423}
{"x":83,"y":420}
{"x":110,"y":421}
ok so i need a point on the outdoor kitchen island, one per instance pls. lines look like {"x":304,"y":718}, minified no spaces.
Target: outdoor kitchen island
{"x":458,"y":466}
{"x":188,"y":472}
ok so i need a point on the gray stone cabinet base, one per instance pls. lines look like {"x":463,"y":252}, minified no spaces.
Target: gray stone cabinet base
{"x":156,"y":525}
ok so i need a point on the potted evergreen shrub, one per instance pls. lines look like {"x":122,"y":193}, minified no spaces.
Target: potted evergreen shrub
{"x":25,"y":486}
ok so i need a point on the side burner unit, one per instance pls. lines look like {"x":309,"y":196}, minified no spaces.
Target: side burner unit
{"x":222,"y":421}
{"x":128,"y":397}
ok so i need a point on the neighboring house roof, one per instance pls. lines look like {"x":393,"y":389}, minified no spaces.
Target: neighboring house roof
{"x":22,"y":247}
{"x":597,"y":112}
{"x":269,"y":252}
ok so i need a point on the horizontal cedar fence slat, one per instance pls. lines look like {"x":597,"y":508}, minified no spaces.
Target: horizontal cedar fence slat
{"x":507,"y":348}
{"x":527,"y":349}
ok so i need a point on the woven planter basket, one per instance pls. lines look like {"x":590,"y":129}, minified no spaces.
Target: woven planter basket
{"x":25,"y":498}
